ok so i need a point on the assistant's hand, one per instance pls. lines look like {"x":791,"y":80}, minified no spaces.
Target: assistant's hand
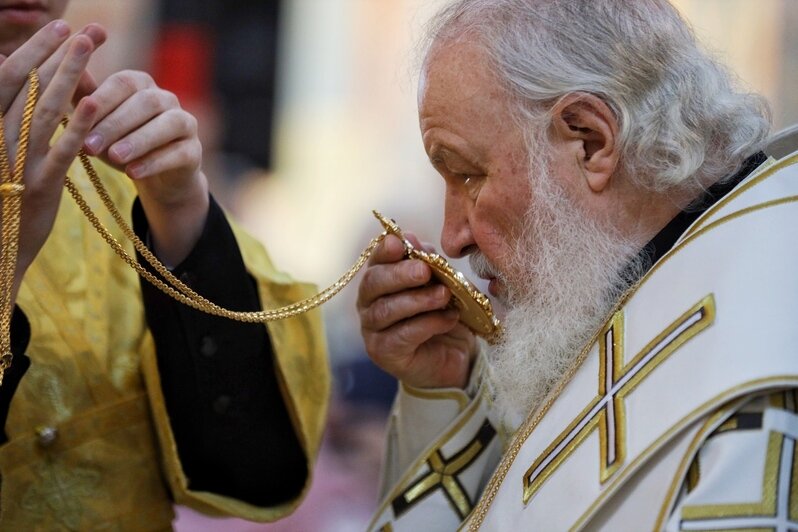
{"x":405,"y":327}
{"x":61,"y":61}
{"x":142,"y":130}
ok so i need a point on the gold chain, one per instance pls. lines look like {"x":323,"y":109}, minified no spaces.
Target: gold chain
{"x":176,"y":288}
{"x":11,"y":188}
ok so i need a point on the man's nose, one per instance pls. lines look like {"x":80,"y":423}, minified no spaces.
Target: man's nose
{"x":456,"y":237}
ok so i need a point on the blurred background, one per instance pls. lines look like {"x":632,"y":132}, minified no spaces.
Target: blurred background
{"x":308,"y":120}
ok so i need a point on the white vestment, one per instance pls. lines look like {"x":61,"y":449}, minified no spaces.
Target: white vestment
{"x":680,"y":414}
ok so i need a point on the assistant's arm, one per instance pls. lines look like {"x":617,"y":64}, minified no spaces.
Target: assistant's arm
{"x":229,"y":419}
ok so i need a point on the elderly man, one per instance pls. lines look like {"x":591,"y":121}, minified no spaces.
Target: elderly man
{"x":119,"y":400}
{"x":606,"y":178}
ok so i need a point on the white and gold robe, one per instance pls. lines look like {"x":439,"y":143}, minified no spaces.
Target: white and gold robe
{"x":680,"y":415}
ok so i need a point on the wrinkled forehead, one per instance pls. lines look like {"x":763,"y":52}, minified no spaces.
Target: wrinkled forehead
{"x":456,"y":72}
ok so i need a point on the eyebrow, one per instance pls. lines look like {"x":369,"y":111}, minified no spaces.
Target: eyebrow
{"x":440,"y":154}
{"x":437,"y":156}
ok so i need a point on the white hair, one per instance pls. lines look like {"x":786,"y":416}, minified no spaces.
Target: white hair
{"x":680,"y":115}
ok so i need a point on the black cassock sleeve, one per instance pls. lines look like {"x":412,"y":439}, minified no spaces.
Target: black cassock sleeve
{"x":229,"y":419}
{"x":20,"y":336}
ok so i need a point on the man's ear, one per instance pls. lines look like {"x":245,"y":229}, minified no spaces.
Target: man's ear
{"x":587,"y":129}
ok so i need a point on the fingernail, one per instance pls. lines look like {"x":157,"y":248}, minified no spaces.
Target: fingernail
{"x":122,"y":150}
{"x":136,"y":170}
{"x":94,"y":142}
{"x":82,"y":48}
{"x":61,"y":28}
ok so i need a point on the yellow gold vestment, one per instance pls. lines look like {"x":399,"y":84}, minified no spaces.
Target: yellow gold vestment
{"x":113,"y":464}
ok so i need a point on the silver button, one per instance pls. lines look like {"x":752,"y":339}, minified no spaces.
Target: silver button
{"x":46,"y":435}
{"x":221,"y":404}
{"x":208,"y":346}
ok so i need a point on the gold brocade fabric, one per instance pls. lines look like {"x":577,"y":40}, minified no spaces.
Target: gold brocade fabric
{"x":113,"y":463}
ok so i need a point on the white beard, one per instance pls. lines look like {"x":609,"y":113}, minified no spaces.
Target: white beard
{"x":570,"y":274}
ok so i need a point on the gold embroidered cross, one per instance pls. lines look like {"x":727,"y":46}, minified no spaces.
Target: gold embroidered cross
{"x":443,"y":475}
{"x":616,"y":380}
{"x":778,"y":509}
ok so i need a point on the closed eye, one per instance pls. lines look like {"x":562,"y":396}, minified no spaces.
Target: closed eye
{"x":443,"y":166}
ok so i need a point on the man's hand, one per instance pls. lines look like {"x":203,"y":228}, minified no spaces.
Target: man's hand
{"x":405,"y":327}
{"x":142,"y":131}
{"x":61,"y":62}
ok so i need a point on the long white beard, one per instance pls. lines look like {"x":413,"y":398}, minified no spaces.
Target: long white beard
{"x":570,"y":274}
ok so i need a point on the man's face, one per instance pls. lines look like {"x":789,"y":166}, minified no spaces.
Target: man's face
{"x":554,"y":261}
{"x":472,"y":141}
{"x":20,"y":19}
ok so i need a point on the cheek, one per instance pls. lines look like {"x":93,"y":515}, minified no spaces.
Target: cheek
{"x":496,"y":223}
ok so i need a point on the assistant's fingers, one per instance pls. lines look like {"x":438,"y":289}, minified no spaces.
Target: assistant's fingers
{"x":161,"y":132}
{"x":117,"y":89}
{"x":180,"y":155}
{"x":95,"y":32}
{"x":66,"y":148}
{"x":14,"y":71}
{"x":153,"y":118}
{"x":49,"y":67}
{"x":55,"y":99}
{"x":86,"y":85}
